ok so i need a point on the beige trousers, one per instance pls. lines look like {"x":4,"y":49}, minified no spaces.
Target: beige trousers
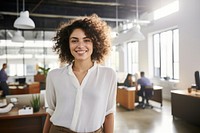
{"x":58,"y":129}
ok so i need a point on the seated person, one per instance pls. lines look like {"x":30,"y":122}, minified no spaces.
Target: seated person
{"x":144,"y":93}
{"x":128,"y":81}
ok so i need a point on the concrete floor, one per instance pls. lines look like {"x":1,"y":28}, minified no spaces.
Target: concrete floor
{"x":156,"y":120}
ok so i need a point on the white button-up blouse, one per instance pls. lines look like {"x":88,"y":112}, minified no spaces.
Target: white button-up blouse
{"x":81,"y":107}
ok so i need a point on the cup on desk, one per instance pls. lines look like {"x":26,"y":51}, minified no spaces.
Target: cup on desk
{"x":13,"y":100}
{"x":189,"y":90}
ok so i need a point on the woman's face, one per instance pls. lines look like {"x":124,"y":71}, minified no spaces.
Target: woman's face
{"x":81,"y":46}
{"x":129,"y":77}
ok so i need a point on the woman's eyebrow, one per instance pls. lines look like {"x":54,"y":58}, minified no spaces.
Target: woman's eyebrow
{"x":78,"y":38}
{"x":73,"y":38}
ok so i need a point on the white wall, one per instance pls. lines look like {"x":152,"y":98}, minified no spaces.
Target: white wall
{"x":188,"y":22}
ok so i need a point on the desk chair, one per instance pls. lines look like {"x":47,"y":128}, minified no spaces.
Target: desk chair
{"x":146,"y":92}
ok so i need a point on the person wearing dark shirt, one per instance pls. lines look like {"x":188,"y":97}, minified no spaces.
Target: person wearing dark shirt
{"x":3,"y":79}
{"x":128,"y":81}
{"x":143,"y":82}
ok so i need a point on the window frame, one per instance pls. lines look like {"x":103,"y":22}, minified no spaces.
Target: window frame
{"x":159,"y":70}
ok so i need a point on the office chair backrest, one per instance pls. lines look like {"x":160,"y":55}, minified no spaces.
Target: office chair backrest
{"x":141,"y":91}
{"x":149,"y":91}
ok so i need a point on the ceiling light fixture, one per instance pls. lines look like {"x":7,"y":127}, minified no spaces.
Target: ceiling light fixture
{"x":135,"y":30}
{"x":115,"y":31}
{"x":18,"y":37}
{"x":132,"y":34}
{"x":23,"y":21}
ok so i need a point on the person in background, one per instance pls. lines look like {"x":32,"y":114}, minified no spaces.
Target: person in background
{"x":3,"y":80}
{"x":81,"y":97}
{"x":128,"y":81}
{"x":143,"y":82}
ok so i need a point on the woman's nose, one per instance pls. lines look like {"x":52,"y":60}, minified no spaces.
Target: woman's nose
{"x":81,"y":43}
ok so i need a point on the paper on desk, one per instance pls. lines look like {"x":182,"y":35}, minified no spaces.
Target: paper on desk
{"x":25,"y":111}
{"x":120,"y":87}
{"x":3,"y":102}
{"x":130,"y":88}
{"x":20,"y":87}
{"x":125,"y":87}
{"x":12,"y":87}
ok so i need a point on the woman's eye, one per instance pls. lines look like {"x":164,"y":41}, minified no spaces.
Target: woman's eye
{"x":87,"y":40}
{"x":74,"y":41}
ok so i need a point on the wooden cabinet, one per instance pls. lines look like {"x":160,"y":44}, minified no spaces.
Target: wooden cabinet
{"x":29,"y":88}
{"x":13,"y":123}
{"x":157,"y":96}
{"x":41,"y":79}
{"x":186,"y":106}
{"x":126,"y":98}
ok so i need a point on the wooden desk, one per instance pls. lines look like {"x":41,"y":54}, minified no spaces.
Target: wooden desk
{"x":186,"y":105}
{"x":127,"y":97}
{"x":157,"y":96}
{"x":11,"y":122}
{"x":29,"y":88}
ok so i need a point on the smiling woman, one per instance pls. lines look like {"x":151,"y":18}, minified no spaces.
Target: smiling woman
{"x":95,"y":30}
{"x":81,"y":47}
{"x":87,"y":88}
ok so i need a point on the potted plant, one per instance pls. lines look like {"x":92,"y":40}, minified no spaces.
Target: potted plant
{"x":41,"y":76}
{"x":43,"y":70}
{"x":35,"y":102}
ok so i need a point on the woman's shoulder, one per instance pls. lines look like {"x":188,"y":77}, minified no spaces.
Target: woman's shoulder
{"x":57,"y":71}
{"x":106,"y":69}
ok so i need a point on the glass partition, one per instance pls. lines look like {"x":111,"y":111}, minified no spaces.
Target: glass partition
{"x":24,"y":59}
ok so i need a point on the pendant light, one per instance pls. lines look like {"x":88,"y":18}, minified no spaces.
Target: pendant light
{"x":136,"y":34}
{"x":133,"y":34}
{"x":135,"y":30}
{"x":18,"y":37}
{"x":23,"y":21}
{"x":115,"y":40}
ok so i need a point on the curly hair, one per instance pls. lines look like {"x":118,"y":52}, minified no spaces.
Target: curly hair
{"x":95,"y":28}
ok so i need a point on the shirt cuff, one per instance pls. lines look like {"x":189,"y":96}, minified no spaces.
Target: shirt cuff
{"x":50,"y":111}
{"x":112,"y":110}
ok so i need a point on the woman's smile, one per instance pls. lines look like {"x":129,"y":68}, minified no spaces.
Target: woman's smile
{"x":80,"y":51}
{"x":81,"y":46}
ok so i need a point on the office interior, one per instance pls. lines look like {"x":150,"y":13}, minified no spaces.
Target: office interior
{"x":35,"y":54}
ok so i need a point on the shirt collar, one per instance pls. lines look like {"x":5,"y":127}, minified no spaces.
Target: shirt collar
{"x":70,"y":70}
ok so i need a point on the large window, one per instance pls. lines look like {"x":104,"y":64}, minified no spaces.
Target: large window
{"x":166,"y":54}
{"x":113,"y":60}
{"x":129,"y":53}
{"x":23,"y":58}
{"x":132,"y":57}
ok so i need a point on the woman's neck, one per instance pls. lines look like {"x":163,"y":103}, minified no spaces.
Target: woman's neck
{"x":80,"y":69}
{"x":82,"y":66}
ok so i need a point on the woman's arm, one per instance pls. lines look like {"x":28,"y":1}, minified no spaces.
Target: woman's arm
{"x":109,"y":123}
{"x":47,"y":124}
{"x":51,"y":100}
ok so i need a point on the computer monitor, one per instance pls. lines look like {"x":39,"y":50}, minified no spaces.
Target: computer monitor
{"x":21,"y":80}
{"x":197,"y":80}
